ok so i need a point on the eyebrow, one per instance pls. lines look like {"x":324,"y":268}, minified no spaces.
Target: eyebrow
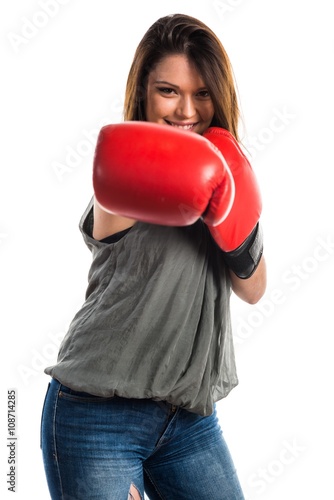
{"x":167,"y":83}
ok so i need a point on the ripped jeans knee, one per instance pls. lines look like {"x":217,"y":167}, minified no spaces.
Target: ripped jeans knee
{"x":134,"y":493}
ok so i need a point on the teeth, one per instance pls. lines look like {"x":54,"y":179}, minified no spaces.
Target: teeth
{"x":184,"y":127}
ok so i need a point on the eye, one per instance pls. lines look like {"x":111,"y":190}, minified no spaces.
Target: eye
{"x":166,"y":90}
{"x":204,"y":93}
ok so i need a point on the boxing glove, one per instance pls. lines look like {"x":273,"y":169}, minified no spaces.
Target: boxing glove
{"x":240,"y":234}
{"x":159,"y":174}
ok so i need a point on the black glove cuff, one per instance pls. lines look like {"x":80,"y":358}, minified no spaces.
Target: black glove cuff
{"x":244,"y":260}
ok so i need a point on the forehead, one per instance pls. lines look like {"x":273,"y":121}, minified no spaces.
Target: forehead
{"x":178,"y":69}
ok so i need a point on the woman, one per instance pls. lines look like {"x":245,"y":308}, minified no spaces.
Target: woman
{"x":131,"y":403}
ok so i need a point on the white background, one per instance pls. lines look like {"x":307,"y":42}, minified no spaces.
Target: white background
{"x":63,"y":77}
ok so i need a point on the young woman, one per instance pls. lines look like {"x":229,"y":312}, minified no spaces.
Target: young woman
{"x":173,"y":227}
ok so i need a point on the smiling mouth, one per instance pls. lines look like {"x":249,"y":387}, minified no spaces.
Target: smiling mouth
{"x":186,"y":126}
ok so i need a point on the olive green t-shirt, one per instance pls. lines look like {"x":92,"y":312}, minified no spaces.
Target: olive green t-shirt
{"x":156,"y":319}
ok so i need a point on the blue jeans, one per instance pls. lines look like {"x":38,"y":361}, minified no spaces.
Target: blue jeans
{"x":98,"y":448}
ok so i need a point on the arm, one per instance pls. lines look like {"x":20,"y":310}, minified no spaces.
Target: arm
{"x":106,"y":224}
{"x":252,"y":289}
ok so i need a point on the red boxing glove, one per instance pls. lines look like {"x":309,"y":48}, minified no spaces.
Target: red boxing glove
{"x":160,"y":174}
{"x":239,"y":235}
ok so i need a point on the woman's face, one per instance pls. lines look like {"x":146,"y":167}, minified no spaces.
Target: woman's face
{"x":177,"y":95}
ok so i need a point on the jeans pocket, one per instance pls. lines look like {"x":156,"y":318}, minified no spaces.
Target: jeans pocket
{"x":81,"y":397}
{"x":42,"y":414}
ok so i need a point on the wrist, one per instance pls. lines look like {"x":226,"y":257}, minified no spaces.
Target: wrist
{"x":244,"y":260}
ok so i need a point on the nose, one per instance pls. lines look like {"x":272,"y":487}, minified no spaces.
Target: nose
{"x":186,"y":107}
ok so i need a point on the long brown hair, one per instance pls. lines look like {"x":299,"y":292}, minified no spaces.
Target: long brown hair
{"x":182,"y":34}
